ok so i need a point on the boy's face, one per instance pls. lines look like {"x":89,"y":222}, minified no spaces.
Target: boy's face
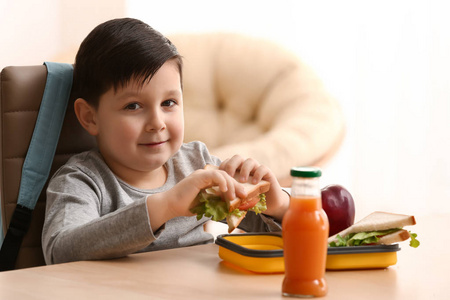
{"x":140,"y":128}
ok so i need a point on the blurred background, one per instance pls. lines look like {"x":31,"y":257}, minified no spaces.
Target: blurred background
{"x":387,"y":64}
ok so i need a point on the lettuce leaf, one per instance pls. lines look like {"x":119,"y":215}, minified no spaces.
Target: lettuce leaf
{"x":360,"y":238}
{"x":238,"y":213}
{"x":210,"y":206}
{"x":365,"y":238}
{"x":414,"y":242}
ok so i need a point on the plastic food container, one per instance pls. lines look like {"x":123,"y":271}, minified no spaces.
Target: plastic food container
{"x":362,"y":257}
{"x":260,"y":253}
{"x":263,"y":253}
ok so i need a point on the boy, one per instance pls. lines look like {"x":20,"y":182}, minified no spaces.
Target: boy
{"x":134,"y":192}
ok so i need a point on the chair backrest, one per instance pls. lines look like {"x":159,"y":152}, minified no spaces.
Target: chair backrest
{"x":21,"y":90}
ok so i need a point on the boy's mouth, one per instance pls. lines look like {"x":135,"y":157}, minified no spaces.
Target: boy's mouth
{"x":150,"y":144}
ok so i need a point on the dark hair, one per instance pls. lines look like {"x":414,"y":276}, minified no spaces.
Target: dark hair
{"x":116,"y":52}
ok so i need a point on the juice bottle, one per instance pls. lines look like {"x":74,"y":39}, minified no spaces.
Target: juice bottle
{"x":305,"y":233}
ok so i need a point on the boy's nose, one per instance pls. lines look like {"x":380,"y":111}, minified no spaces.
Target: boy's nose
{"x":155,"y":122}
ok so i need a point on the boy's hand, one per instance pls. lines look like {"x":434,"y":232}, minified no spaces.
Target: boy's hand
{"x":178,"y":200}
{"x":277,"y":199}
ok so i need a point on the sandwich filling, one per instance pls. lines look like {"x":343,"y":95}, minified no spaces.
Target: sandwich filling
{"x":212,"y":206}
{"x":369,"y":238}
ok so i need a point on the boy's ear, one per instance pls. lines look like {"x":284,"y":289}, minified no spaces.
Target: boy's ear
{"x":87,"y":116}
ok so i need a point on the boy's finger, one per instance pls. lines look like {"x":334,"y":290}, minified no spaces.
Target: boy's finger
{"x":240,"y":191}
{"x":231,"y":193}
{"x":259,"y":174}
{"x":232,"y":165}
{"x":217,"y":178}
{"x":247,"y":169}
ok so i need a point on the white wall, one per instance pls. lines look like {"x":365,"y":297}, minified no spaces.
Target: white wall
{"x":34,"y":31}
{"x":387,"y":63}
{"x":29,"y":31}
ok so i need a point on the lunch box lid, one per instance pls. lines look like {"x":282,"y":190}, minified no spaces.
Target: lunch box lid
{"x":363,"y":249}
{"x":239,"y":244}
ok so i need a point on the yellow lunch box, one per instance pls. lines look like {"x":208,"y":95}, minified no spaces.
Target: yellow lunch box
{"x":263,"y":253}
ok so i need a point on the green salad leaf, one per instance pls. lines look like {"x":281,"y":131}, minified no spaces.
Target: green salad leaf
{"x":414,"y":242}
{"x":238,"y":213}
{"x":341,"y":242}
{"x":210,"y":206}
{"x":367,"y":238}
{"x":360,"y":238}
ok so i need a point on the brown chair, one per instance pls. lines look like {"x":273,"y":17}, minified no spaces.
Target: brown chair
{"x":21,"y":90}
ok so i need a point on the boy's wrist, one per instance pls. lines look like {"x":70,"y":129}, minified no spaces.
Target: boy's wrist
{"x":157,"y":210}
{"x":281,"y":207}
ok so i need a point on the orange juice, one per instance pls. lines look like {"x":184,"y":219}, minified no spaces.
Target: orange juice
{"x":305,"y":233}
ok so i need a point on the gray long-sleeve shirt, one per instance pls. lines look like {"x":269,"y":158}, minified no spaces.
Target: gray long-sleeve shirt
{"x":92,"y":214}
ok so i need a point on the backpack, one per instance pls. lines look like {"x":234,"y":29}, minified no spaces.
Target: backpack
{"x":38,"y":161}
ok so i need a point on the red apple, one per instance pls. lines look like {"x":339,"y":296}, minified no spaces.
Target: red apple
{"x":339,"y":206}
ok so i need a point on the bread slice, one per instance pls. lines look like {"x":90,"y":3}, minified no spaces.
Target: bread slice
{"x":396,"y":237}
{"x":233,"y":221}
{"x":377,"y":221}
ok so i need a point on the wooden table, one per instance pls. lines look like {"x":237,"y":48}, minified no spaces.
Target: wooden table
{"x":198,"y":273}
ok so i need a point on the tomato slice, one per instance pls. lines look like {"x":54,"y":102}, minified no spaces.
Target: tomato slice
{"x":248,"y":203}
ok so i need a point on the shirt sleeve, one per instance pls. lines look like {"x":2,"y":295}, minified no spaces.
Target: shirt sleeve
{"x":77,"y":228}
{"x":259,"y":223}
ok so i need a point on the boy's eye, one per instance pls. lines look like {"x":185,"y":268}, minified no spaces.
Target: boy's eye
{"x":169,"y":103}
{"x":132,"y":106}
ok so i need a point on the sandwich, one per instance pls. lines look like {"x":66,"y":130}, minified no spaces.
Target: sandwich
{"x":212,"y":203}
{"x":378,"y":228}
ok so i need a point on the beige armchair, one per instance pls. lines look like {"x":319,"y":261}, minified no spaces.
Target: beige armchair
{"x":251,"y":97}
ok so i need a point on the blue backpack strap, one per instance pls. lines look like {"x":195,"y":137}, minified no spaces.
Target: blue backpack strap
{"x":39,"y":158}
